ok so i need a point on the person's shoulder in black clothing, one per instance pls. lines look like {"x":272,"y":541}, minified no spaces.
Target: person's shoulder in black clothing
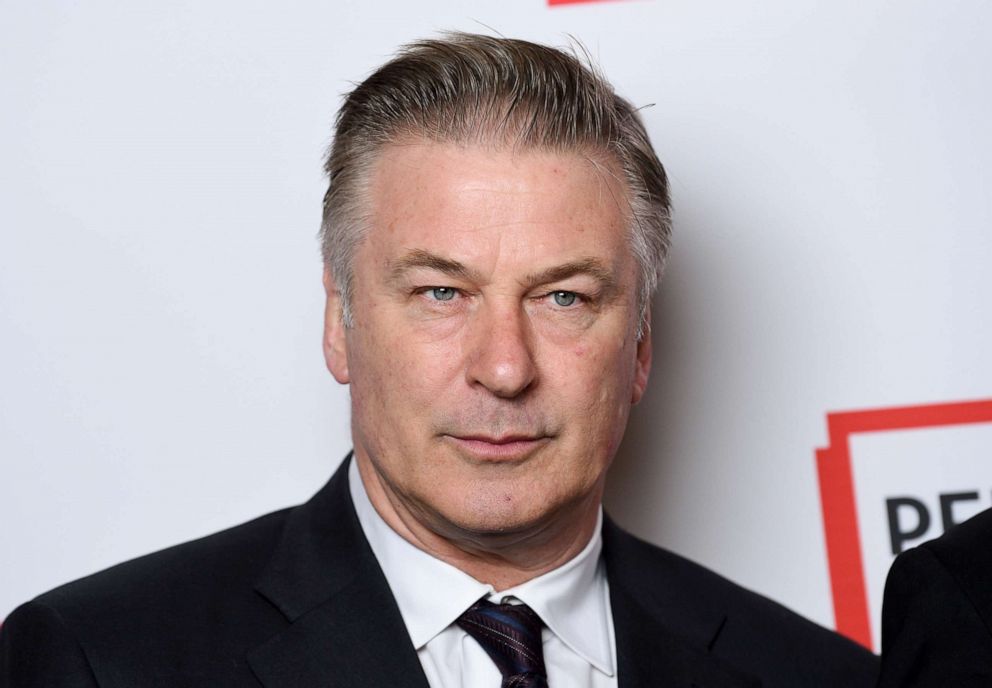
{"x":937,"y":611}
{"x":758,"y":635}
{"x":195,"y":600}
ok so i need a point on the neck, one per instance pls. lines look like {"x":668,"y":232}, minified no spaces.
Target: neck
{"x":503,"y":559}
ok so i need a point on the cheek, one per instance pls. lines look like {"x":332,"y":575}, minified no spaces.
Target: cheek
{"x":403,"y":368}
{"x":603,"y":376}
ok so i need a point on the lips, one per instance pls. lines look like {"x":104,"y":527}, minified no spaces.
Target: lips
{"x":505,"y":448}
{"x":505,"y":439}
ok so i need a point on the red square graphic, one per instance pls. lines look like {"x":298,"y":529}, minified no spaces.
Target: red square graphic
{"x":575,"y":2}
{"x":837,"y":497}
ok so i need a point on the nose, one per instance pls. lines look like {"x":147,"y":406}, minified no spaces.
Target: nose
{"x":501,"y":357}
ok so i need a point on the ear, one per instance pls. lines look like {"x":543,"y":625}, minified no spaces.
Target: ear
{"x":642,"y":363}
{"x":335,"y":339}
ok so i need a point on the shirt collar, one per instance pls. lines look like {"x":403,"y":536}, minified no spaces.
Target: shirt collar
{"x":572,"y":600}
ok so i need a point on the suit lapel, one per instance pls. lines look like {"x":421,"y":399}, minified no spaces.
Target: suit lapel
{"x":355,"y":639}
{"x":662,"y":640}
{"x":345,"y":630}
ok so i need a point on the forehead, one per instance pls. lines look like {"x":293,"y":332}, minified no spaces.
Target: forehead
{"x":475,"y":200}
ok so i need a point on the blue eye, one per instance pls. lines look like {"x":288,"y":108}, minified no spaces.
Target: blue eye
{"x":564,"y":298}
{"x":442,"y":293}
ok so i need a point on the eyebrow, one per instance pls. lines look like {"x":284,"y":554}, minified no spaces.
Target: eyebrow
{"x":593,"y":267}
{"x":419,"y":258}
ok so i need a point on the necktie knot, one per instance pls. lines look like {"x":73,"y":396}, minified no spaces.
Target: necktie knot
{"x":511,"y":636}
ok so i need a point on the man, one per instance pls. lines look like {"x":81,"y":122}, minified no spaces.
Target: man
{"x":937,"y":611}
{"x":493,"y":231}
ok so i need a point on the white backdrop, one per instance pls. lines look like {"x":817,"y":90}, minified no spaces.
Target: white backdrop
{"x":160,"y":303}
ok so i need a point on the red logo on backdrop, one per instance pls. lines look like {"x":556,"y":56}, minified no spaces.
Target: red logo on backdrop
{"x":574,"y":2}
{"x":837,"y":495}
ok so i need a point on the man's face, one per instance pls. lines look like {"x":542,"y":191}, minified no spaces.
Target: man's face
{"x":493,"y":359}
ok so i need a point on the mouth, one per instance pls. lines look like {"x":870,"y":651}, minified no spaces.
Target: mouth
{"x":506,"y":448}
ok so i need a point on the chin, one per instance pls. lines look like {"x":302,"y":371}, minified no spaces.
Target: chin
{"x":496,"y":513}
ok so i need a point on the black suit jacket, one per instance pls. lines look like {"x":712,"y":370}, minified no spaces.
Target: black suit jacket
{"x":297,"y":599}
{"x":937,"y":611}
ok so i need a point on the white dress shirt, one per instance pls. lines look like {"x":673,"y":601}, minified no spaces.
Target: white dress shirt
{"x":573,"y":600}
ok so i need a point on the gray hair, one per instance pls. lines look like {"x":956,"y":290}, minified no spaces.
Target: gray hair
{"x":467,"y":88}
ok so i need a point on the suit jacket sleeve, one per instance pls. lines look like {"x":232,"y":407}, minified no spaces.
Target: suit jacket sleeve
{"x":932,"y":635}
{"x":36,"y":650}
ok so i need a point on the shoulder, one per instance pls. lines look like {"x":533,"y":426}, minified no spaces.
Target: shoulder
{"x":201,"y":568}
{"x":37,"y":650}
{"x":192,"y":600}
{"x":958,"y":563}
{"x":937,"y":610}
{"x":749,"y":630}
{"x":966,"y":548}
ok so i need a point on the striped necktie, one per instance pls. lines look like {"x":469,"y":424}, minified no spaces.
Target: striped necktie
{"x":511,"y":636}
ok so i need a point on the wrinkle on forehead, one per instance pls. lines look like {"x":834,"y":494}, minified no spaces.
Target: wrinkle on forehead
{"x":479,"y":209}
{"x":603,"y":164}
